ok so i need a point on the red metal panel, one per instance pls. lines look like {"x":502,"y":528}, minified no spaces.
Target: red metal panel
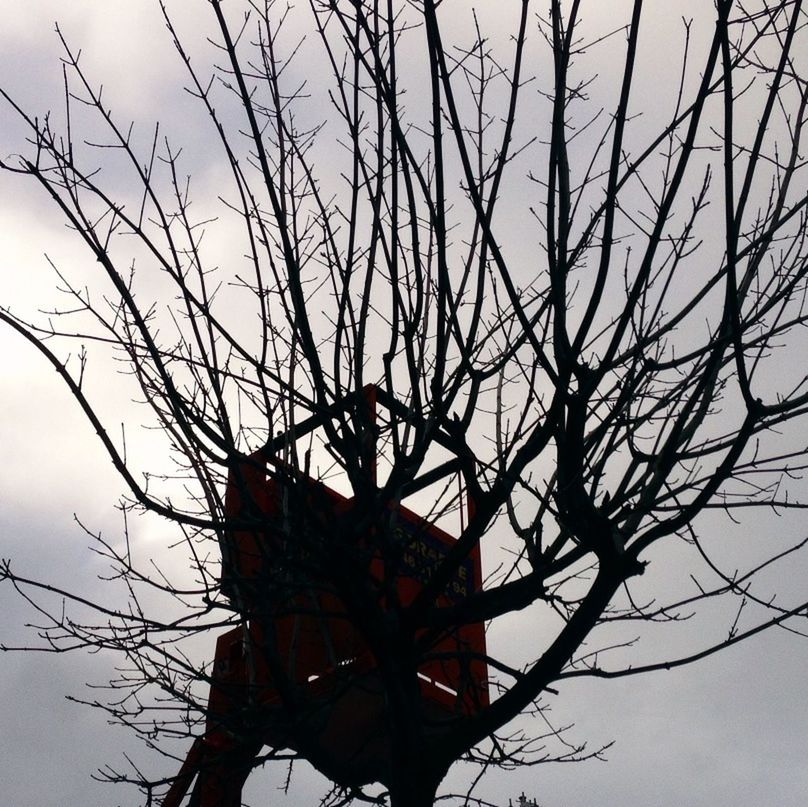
{"x":456,"y":673}
{"x":309,"y":642}
{"x":310,"y":634}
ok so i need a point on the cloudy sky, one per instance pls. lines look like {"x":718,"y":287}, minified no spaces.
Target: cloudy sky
{"x":731,"y":730}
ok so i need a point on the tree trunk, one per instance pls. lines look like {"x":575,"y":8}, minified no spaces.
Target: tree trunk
{"x":414,"y":789}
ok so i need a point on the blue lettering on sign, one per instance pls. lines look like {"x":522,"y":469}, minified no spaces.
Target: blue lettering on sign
{"x":423,"y":552}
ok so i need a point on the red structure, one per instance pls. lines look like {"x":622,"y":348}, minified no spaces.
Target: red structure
{"x":298,"y":636}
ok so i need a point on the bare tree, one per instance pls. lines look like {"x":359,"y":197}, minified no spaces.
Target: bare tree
{"x":483,"y":277}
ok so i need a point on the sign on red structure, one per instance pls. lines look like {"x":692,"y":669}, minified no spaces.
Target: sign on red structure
{"x":454,"y":671}
{"x":313,"y":633}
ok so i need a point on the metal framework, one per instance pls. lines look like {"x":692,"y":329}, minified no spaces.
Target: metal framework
{"x":298,"y":639}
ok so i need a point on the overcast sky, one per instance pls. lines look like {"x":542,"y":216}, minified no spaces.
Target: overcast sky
{"x":731,"y":730}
